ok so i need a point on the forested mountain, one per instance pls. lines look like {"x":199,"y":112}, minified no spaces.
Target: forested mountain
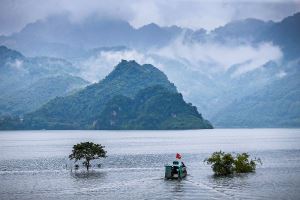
{"x":286,"y":35}
{"x":28,"y":83}
{"x":81,"y":109}
{"x":219,"y":71}
{"x":152,"y":108}
{"x":275,"y":105}
{"x":41,"y":38}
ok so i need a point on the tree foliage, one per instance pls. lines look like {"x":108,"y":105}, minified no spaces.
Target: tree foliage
{"x":224,"y":164}
{"x":153,"y":108}
{"x":243,"y":163}
{"x":87,"y":151}
{"x":81,"y":109}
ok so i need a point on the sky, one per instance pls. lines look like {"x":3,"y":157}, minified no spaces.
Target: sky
{"x":195,"y":14}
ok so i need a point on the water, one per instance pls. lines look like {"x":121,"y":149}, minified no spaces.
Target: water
{"x":34,"y":165}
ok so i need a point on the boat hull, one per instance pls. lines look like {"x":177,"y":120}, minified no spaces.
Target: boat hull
{"x":175,"y":172}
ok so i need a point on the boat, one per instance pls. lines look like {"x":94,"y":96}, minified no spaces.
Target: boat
{"x":177,"y":170}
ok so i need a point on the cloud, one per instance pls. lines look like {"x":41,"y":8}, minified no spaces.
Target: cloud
{"x":258,"y":57}
{"x":195,"y":14}
{"x":97,"y":67}
{"x":216,"y":57}
{"x":281,"y":74}
{"x":207,"y":58}
{"x":16,"y":64}
{"x":14,"y":15}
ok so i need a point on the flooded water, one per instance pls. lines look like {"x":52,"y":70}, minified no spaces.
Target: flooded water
{"x":35,"y":165}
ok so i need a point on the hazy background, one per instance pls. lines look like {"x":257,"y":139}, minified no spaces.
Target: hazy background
{"x":237,"y":61}
{"x":195,"y":14}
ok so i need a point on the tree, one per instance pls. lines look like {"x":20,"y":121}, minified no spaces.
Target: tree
{"x":243,"y":164}
{"x":225,"y":164}
{"x":87,"y":151}
{"x":222,"y":163}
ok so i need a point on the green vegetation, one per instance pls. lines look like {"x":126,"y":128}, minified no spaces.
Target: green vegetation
{"x":152,"y":108}
{"x":80,"y":110}
{"x":28,"y":83}
{"x":243,"y":164}
{"x":11,"y":123}
{"x":38,"y":93}
{"x":87,"y":151}
{"x":132,"y":96}
{"x":276,"y":105}
{"x":224,"y":164}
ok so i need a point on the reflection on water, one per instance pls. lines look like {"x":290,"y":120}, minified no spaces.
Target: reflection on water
{"x":35,"y":165}
{"x":87,"y":175}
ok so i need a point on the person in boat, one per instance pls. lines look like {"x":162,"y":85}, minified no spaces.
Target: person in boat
{"x":177,"y":169}
{"x":183,"y":165}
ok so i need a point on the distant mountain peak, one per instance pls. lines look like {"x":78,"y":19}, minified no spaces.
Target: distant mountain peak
{"x":83,"y":107}
{"x":125,"y":62}
{"x":8,"y":55}
{"x":133,"y":65}
{"x":4,"y":51}
{"x":150,"y":26}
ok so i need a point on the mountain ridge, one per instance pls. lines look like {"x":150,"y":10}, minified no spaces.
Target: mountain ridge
{"x":27,"y":83}
{"x":81,"y":108}
{"x":212,"y":91}
{"x":153,"y":108}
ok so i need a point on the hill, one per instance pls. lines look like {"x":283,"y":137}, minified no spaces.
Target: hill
{"x":40,"y":38}
{"x":27,"y":83}
{"x":276,"y":105}
{"x":152,"y":108}
{"x":80,"y":110}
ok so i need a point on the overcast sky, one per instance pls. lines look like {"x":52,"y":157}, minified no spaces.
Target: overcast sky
{"x":15,"y":14}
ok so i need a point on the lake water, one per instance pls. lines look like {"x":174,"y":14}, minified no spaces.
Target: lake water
{"x":34,"y":165}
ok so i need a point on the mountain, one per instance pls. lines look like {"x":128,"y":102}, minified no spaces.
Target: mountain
{"x":57,"y":36}
{"x":152,"y":35}
{"x":152,"y":108}
{"x":273,"y":99}
{"x":203,"y":64}
{"x":275,"y":105}
{"x":81,"y":109}
{"x":246,"y":30}
{"x":28,"y":83}
{"x":38,"y":93}
{"x":228,"y":100}
{"x":8,"y":56}
{"x":286,"y":35}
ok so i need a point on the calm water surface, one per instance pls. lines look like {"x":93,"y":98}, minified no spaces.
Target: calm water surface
{"x":34,"y":165}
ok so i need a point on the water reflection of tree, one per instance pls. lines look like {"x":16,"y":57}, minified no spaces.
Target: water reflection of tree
{"x":88,"y":175}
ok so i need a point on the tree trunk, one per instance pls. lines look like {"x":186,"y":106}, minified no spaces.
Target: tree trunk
{"x":87,"y":165}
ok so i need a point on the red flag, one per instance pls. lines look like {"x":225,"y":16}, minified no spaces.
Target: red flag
{"x":178,"y":156}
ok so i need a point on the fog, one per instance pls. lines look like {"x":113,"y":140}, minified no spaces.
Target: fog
{"x":194,"y":14}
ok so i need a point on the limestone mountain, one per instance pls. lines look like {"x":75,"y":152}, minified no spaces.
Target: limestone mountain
{"x":81,"y":108}
{"x":127,"y":86}
{"x":26,"y":83}
{"x":152,"y":108}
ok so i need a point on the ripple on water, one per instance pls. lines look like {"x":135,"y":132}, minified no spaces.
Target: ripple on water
{"x":140,"y":176}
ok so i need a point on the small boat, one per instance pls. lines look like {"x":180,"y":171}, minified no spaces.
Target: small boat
{"x":177,"y":170}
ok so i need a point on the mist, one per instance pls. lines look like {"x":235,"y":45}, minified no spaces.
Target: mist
{"x":194,"y":14}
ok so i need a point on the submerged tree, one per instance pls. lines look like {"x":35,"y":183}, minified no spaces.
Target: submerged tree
{"x":243,"y":163}
{"x":87,"y":151}
{"x":225,"y":164}
{"x":222,"y":163}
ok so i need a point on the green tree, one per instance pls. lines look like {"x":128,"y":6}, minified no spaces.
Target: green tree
{"x":222,"y":163}
{"x":87,"y":151}
{"x":243,"y":163}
